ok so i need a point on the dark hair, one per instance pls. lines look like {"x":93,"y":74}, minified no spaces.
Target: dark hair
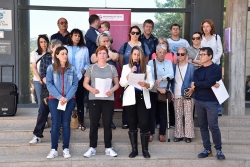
{"x":143,"y":65}
{"x":175,"y":24}
{"x":149,"y":21}
{"x":107,"y":24}
{"x":211,"y":23}
{"x":57,"y":65}
{"x":130,"y":30}
{"x":208,"y":50}
{"x":39,"y":50}
{"x":93,"y":18}
{"x":100,"y":48}
{"x":197,"y":32}
{"x":76,"y":31}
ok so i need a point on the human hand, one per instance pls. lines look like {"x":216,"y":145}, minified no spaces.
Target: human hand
{"x":133,"y":69}
{"x":94,"y":91}
{"x":109,"y":93}
{"x":190,"y":92}
{"x":161,"y":90}
{"x":142,"y":84}
{"x":192,"y":85}
{"x":216,"y":85}
{"x":157,"y":82}
{"x":63,"y":101}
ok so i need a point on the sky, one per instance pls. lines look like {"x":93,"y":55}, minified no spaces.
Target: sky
{"x":45,"y":22}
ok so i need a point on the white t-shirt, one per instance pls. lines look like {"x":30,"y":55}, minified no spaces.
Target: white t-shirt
{"x":33,"y":58}
{"x":175,"y":44}
{"x":178,"y":81}
{"x":215,"y":45}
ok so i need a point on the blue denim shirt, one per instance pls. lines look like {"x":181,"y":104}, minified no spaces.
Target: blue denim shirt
{"x":187,"y":79}
{"x":54,"y":82}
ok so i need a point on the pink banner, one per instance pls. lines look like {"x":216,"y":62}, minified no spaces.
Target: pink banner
{"x":120,"y":23}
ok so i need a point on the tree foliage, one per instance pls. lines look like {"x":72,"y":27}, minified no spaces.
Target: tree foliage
{"x":165,"y":20}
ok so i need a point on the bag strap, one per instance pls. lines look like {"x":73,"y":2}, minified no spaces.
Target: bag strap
{"x":125,"y":47}
{"x":180,"y":74}
{"x":41,"y":57}
{"x":155,"y":70}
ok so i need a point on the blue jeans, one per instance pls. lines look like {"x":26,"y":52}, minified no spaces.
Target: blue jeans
{"x":220,"y":109}
{"x":58,"y":118}
{"x":38,"y":89}
{"x":207,"y":114}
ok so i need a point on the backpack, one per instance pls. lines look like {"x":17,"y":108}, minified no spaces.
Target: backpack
{"x":126,"y":44}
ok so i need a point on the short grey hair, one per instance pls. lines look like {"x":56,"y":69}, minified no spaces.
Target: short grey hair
{"x":161,"y":46}
{"x":53,"y":43}
{"x":100,"y":36}
{"x":182,"y":48}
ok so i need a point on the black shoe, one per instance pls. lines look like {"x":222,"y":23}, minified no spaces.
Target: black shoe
{"x":188,"y":140}
{"x":125,"y":126}
{"x":220,"y":155}
{"x":205,"y":153}
{"x":134,"y":143}
{"x":113,"y":126}
{"x":219,"y":114}
{"x":178,"y":139}
{"x":144,"y":144}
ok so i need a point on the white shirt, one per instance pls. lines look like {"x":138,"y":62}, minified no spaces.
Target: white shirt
{"x":175,"y":44}
{"x":215,"y":45}
{"x":178,"y":81}
{"x":33,"y":58}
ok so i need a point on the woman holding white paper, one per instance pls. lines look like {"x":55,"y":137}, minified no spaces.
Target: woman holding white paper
{"x":101,"y":104}
{"x":62,"y":82}
{"x":136,"y":102}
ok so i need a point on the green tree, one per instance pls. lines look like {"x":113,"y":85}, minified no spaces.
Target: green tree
{"x":165,"y":20}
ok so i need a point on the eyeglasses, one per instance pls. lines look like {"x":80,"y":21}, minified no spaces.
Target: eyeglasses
{"x":63,"y":23}
{"x":203,"y":54}
{"x":196,"y":38}
{"x":133,"y":33}
{"x":181,"y":54}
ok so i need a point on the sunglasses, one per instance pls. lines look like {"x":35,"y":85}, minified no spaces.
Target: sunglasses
{"x":63,"y":23}
{"x":181,"y":54}
{"x":196,"y":38}
{"x":133,"y":33}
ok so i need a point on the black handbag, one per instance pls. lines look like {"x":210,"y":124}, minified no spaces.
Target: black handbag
{"x":44,"y":94}
{"x":162,"y":97}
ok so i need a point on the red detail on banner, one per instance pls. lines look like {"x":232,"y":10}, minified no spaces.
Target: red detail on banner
{"x":120,"y":23}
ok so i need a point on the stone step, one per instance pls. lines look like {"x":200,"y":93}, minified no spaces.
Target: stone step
{"x":121,"y":146}
{"x":10,"y":134}
{"x":26,"y":117}
{"x":100,"y":160}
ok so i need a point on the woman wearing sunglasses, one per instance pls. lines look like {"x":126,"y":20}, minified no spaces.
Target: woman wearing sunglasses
{"x":124,"y":54}
{"x":193,"y":51}
{"x":183,"y":103}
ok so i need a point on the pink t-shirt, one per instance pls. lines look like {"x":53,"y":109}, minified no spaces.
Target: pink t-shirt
{"x":169,"y":56}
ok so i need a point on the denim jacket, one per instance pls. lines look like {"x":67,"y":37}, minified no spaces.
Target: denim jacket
{"x":54,"y":82}
{"x":188,"y":78}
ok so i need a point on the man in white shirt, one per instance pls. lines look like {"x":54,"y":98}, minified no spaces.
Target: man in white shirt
{"x":175,"y":41}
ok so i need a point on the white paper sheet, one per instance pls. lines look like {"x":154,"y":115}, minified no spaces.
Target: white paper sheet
{"x":220,"y":92}
{"x":103,"y":85}
{"x":133,"y":80}
{"x":61,"y":107}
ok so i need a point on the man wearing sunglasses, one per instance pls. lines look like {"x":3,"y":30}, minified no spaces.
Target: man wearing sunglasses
{"x":206,"y":104}
{"x":175,"y":41}
{"x":63,"y":33}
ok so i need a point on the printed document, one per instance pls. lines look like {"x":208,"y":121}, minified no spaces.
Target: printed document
{"x":61,"y":107}
{"x":220,"y":92}
{"x":133,"y":80}
{"x":103,"y":85}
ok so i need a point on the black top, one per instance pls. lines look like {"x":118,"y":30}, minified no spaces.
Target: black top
{"x":60,"y":37}
{"x":204,"y":79}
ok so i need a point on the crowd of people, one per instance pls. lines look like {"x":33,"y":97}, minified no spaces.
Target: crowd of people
{"x":69,"y":69}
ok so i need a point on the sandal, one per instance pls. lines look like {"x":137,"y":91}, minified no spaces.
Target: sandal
{"x":151,"y":137}
{"x":162,"y":138}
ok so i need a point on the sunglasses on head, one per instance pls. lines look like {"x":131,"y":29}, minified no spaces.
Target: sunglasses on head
{"x":133,"y":33}
{"x":180,"y":54}
{"x":196,"y":38}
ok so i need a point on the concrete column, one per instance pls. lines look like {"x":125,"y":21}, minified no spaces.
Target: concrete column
{"x":235,"y":61}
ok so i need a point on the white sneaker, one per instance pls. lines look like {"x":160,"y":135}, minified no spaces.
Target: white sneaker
{"x":35,"y":140}
{"x":52,"y":154}
{"x":110,"y":152}
{"x":66,"y":153}
{"x":91,"y":151}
